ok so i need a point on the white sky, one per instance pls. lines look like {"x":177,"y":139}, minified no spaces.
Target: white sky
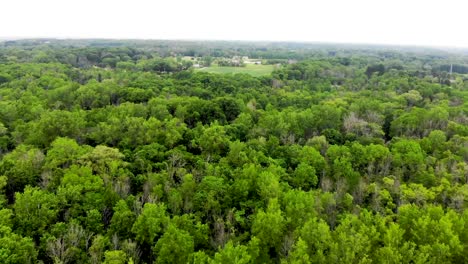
{"x":417,"y":22}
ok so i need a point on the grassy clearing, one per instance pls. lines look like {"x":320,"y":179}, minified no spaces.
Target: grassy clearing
{"x":252,"y":69}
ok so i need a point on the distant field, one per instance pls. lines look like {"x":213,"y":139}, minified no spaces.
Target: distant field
{"x":252,"y":69}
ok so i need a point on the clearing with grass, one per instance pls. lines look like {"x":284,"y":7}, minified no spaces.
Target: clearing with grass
{"x":252,"y":69}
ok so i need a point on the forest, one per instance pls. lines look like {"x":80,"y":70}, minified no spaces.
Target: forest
{"x":119,"y":151}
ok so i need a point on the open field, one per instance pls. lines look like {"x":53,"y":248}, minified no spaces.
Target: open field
{"x":252,"y":69}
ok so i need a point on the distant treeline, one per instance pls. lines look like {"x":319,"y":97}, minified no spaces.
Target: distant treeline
{"x":462,"y":69}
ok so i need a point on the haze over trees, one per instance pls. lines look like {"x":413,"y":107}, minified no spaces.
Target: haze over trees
{"x":120,"y":152}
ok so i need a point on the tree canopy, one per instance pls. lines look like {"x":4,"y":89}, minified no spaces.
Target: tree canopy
{"x":122,"y":152}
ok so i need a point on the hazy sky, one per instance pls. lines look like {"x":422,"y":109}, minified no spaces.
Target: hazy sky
{"x":432,"y":23}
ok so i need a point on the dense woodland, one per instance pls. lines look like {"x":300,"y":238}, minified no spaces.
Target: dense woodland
{"x":120,"y":152}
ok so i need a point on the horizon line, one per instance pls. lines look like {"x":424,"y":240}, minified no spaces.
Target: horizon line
{"x":14,"y":38}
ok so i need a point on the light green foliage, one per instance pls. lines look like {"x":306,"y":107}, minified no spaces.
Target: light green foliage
{"x":341,"y":166}
{"x":213,"y":141}
{"x":316,"y":235}
{"x":16,"y":249}
{"x":305,"y":176}
{"x":268,"y":185}
{"x":104,"y":160}
{"x":197,"y":230}
{"x":395,"y":249}
{"x":6,"y":217}
{"x":412,"y":97}
{"x":269,"y":225}
{"x":115,"y":257}
{"x":408,"y":155}
{"x":98,"y":247}
{"x":175,"y":246}
{"x":123,"y":218}
{"x":151,"y":223}
{"x":22,"y":167}
{"x":311,"y":156}
{"x":93,"y":221}
{"x":232,"y":254}
{"x":81,"y":190}
{"x":299,"y":253}
{"x":35,"y":210}
{"x":108,"y":164}
{"x":3,"y":184}
{"x":434,"y":143}
{"x":298,"y":207}
{"x":237,"y":155}
{"x":56,"y":124}
{"x":254,"y":70}
{"x":424,"y":226}
{"x":63,"y":153}
{"x":354,"y":239}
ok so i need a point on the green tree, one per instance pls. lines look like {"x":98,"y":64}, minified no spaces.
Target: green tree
{"x":98,"y":247}
{"x":35,"y":210}
{"x":115,"y":257}
{"x":408,"y":158}
{"x":269,"y":226}
{"x":62,"y":154}
{"x":122,"y":219}
{"x":151,"y":223}
{"x":81,"y":191}
{"x":317,"y":236}
{"x":299,"y":253}
{"x":175,"y":246}
{"x":22,"y":167}
{"x":16,"y":249}
{"x":232,"y":254}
